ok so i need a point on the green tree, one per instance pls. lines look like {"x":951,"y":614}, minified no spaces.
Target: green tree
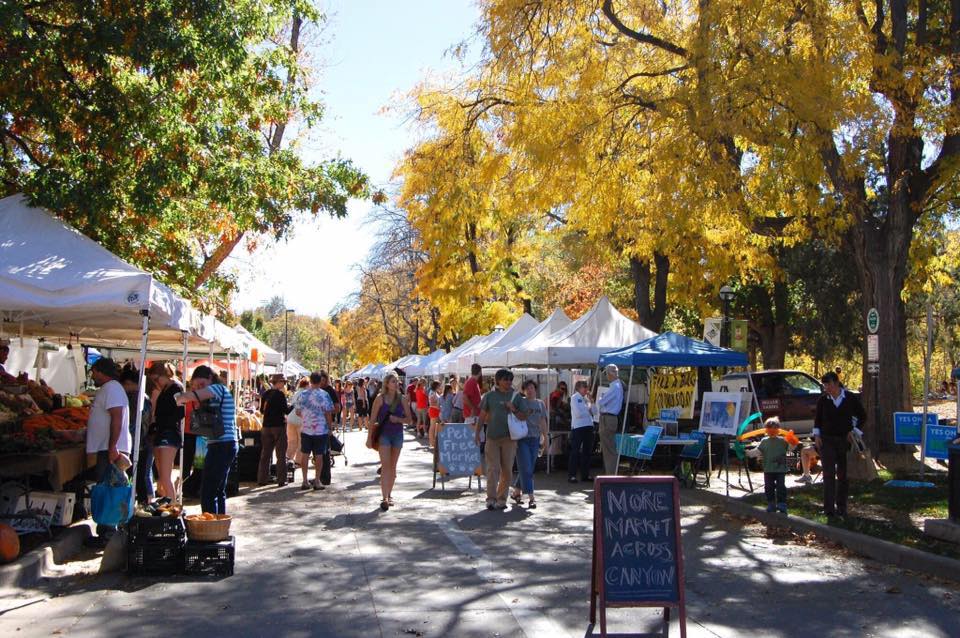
{"x":156,"y":126}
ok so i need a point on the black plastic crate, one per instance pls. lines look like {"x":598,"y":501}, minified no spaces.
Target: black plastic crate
{"x":209,"y":559}
{"x":155,"y":558}
{"x":156,"y":528}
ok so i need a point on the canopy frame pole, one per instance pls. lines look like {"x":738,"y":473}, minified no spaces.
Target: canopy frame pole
{"x":183,"y":422}
{"x":141,"y":390}
{"x":623,"y":426}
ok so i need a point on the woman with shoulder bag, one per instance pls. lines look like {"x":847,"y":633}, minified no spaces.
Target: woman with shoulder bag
{"x":391,"y":412}
{"x":529,"y":447}
{"x":213,"y":417}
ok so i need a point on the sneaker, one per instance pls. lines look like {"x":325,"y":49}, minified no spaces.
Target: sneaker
{"x":771,"y":508}
{"x":782,"y":508}
{"x":572,"y":479}
{"x":532,"y":505}
{"x":806,"y":479}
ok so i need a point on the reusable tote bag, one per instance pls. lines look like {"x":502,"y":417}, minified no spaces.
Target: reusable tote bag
{"x":518,"y":428}
{"x":112,"y":499}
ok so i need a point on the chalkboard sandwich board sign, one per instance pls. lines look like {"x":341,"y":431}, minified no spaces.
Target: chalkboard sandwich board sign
{"x":637,"y":555}
{"x":457,"y":453}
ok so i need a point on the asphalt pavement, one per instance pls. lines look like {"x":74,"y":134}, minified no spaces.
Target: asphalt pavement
{"x":330,"y":563}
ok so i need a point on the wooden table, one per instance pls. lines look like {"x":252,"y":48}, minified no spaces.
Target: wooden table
{"x":58,"y":466}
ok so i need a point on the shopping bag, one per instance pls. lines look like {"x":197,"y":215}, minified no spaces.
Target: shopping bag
{"x":201,"y":454}
{"x":518,"y":428}
{"x":112,"y":500}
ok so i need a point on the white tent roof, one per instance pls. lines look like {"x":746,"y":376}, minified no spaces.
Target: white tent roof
{"x":421,"y":367}
{"x":447,"y":364}
{"x":55,"y":281}
{"x":292,"y":368}
{"x":524,"y":324}
{"x":599,"y":330}
{"x":403,"y":362}
{"x":250,"y":342}
{"x":496,"y":356}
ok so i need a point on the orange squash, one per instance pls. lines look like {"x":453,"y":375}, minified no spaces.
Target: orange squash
{"x":9,"y":543}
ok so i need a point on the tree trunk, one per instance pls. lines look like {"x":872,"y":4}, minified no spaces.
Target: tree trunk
{"x":773,"y":345}
{"x":881,"y":253}
{"x":651,"y":313}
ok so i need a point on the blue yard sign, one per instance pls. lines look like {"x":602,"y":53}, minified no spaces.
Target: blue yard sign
{"x":906,"y":427}
{"x":938,"y":437}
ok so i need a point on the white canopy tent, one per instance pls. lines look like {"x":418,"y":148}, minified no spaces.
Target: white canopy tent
{"x":601,"y":329}
{"x":447,"y":364}
{"x":404,"y":362}
{"x":57,"y":283}
{"x":497,"y":356}
{"x":292,"y":368}
{"x":422,"y":366}
{"x":265,"y":353}
{"x":468,"y":357}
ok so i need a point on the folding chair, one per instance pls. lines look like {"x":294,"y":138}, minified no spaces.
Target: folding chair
{"x":692,"y":456}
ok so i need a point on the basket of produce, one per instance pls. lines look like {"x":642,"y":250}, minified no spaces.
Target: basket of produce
{"x":157,"y":523}
{"x":208,"y":527}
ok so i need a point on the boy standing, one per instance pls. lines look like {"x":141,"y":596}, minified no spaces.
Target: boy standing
{"x":774,"y":449}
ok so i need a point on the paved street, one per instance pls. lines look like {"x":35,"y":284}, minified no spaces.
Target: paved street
{"x":438,"y":564}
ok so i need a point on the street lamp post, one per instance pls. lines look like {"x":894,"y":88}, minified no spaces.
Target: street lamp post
{"x":286,"y":332}
{"x":726,"y":296}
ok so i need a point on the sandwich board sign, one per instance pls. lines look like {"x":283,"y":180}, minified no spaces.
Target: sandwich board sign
{"x":457,"y":453}
{"x":637,"y":556}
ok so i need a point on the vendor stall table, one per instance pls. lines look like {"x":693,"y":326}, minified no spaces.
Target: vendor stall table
{"x":58,"y":466}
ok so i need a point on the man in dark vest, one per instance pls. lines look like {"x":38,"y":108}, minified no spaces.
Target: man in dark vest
{"x":839,"y":413}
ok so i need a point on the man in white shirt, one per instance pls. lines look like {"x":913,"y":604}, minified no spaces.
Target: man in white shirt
{"x":108,"y":428}
{"x":610,"y":404}
{"x":581,"y":433}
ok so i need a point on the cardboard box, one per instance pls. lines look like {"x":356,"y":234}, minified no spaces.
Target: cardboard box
{"x":57,"y":507}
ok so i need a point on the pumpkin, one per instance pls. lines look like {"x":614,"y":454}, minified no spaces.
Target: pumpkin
{"x":9,"y":543}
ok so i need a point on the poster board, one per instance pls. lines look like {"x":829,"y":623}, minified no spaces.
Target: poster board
{"x":672,"y":388}
{"x":906,"y":427}
{"x":937,"y":439}
{"x":637,"y":553}
{"x":720,"y":413}
{"x":459,"y":454}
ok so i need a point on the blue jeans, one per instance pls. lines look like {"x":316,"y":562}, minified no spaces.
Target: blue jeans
{"x":216,"y":467}
{"x":145,"y":474}
{"x":527,"y":450}
{"x":581,"y":452}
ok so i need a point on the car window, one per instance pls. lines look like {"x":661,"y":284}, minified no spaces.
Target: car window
{"x":800,"y":384}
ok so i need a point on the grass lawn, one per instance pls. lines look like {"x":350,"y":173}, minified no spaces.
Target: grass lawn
{"x":893,"y":514}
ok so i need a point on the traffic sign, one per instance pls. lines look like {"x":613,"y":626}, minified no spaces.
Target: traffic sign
{"x":873,"y":321}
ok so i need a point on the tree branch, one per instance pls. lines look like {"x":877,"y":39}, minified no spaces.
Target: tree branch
{"x":643,"y":38}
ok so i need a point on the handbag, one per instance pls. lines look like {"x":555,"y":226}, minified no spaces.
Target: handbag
{"x":206,"y":420}
{"x":112,"y":499}
{"x":518,"y":428}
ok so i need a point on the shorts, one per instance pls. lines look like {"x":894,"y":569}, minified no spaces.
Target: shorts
{"x":362,"y":409}
{"x":317,"y":444}
{"x":392,"y":440}
{"x":168,"y":437}
{"x":434,"y":413}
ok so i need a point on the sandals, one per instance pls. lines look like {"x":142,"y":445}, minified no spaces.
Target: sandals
{"x":384,"y":506}
{"x":532,"y":505}
{"x":517,"y":498}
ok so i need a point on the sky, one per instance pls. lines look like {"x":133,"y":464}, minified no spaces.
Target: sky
{"x":370,"y":54}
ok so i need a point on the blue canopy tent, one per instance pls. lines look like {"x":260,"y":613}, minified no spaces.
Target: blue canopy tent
{"x":670,"y":349}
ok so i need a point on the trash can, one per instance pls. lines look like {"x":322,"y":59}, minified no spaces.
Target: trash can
{"x":953,"y":481}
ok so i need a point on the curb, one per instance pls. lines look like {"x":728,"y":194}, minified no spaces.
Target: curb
{"x":875,"y":548}
{"x":42,"y":562}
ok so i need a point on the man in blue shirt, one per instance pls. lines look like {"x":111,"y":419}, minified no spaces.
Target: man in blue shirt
{"x":610,"y":404}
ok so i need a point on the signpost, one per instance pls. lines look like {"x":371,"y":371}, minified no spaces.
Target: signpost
{"x":637,"y":555}
{"x":457,"y":454}
{"x":873,"y":359}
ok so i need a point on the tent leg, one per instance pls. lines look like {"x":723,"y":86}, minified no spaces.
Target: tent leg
{"x":183,"y":422}
{"x":141,"y":390}
{"x":623,"y":426}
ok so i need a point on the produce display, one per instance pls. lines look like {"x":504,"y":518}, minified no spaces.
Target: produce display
{"x":159,"y":510}
{"x":29,"y":423}
{"x":248,"y":422}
